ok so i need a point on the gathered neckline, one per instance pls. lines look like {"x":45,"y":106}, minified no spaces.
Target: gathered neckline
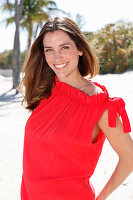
{"x":80,"y":95}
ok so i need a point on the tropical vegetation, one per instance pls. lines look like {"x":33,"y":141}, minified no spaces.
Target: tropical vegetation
{"x":114,"y":44}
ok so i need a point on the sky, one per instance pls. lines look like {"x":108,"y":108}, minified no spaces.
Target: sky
{"x":96,"y":14}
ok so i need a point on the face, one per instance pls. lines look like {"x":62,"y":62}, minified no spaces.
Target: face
{"x":61,"y":54}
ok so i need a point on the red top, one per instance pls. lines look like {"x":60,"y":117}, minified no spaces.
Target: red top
{"x":59,"y":156}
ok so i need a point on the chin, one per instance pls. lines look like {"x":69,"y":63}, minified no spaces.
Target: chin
{"x":64,"y":74}
{"x":61,"y":75}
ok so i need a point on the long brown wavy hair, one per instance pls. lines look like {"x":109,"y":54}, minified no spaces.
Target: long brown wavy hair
{"x":38,"y":78}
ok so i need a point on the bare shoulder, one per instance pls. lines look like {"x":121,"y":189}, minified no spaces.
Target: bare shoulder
{"x":92,"y":89}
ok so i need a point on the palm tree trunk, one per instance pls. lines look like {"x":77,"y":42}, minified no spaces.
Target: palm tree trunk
{"x":16,"y":59}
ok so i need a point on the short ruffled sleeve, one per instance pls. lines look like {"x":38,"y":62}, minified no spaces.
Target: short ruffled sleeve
{"x":117,"y":107}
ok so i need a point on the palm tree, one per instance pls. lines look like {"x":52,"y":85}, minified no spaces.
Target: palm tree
{"x":34,"y":13}
{"x":26,"y":14}
{"x":16,"y":58}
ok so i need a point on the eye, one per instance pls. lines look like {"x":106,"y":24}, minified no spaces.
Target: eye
{"x":65,"y":47}
{"x":48,"y":50}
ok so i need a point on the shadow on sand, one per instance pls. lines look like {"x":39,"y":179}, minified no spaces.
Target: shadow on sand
{"x":9,"y":97}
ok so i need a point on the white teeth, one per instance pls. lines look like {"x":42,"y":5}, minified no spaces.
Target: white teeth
{"x":60,"y":66}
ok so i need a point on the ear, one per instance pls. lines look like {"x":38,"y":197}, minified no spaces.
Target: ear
{"x":80,"y":53}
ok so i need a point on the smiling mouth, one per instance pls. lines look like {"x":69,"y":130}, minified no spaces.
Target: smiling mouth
{"x":62,"y":66}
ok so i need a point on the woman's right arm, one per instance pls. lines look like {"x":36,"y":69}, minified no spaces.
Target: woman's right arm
{"x":123,"y":145}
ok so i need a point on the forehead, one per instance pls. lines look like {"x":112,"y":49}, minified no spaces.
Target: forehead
{"x":57,"y":37}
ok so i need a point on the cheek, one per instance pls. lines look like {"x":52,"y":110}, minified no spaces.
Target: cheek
{"x":48,"y":58}
{"x":70,"y":55}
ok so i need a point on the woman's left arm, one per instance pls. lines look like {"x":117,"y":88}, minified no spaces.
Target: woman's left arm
{"x":122,"y":143}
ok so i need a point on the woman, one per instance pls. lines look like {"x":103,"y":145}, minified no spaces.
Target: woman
{"x":71,"y":117}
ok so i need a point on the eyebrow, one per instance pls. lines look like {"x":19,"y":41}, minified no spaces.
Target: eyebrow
{"x":59,"y":45}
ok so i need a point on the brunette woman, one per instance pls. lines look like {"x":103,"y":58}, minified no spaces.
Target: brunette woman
{"x":70,"y":120}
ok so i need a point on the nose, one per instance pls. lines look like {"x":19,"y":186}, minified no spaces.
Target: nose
{"x":57,"y":57}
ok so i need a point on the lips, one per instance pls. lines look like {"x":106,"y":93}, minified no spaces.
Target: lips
{"x":62,"y":66}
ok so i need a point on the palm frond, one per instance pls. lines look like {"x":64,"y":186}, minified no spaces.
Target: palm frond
{"x":10,"y":20}
{"x":8,"y":7}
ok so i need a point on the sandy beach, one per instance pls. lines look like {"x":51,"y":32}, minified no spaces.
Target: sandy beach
{"x":12,"y":121}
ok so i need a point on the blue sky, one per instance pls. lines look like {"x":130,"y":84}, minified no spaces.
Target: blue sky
{"x":96,"y":14}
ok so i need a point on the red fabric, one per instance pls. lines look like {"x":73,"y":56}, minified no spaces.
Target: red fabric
{"x":59,"y":156}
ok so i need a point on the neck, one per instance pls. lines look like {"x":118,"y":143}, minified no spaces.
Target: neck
{"x":76,"y":81}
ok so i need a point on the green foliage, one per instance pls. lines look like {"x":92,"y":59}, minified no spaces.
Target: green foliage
{"x":130,"y":62}
{"x":6,"y":59}
{"x":115,"y":45}
{"x":89,"y":35}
